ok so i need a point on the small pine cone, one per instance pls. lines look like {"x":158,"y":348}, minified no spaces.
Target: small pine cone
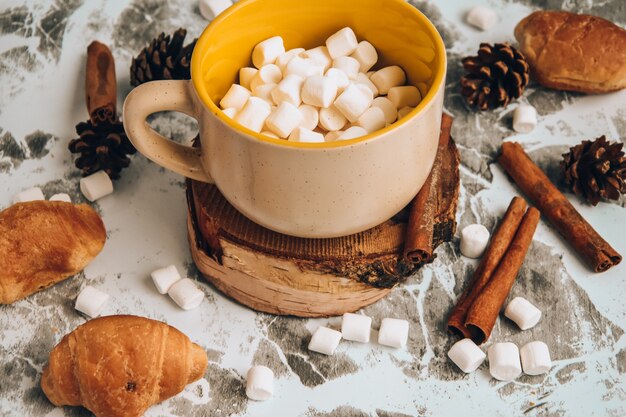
{"x":163,"y":59}
{"x":498,"y":74}
{"x":596,"y":170}
{"x":103,"y":146}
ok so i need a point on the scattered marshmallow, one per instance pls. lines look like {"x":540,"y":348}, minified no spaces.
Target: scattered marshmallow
{"x":304,"y":67}
{"x":319,"y":54}
{"x":31,"y":194}
{"x":404,"y":96}
{"x":61,"y":197}
{"x":348,"y":65}
{"x":332,"y":119}
{"x":523,"y":313}
{"x":230,"y":112}
{"x":481,"y":17}
{"x":474,"y":240}
{"x":301,"y":134}
{"x":264,"y":92}
{"x":504,"y":361}
{"x":186,"y":294}
{"x":164,"y":278}
{"x":356,"y":327}
{"x":236,"y":97}
{"x":310,"y":116}
{"x":284,"y":119}
{"x":254,"y":113}
{"x":319,"y":91}
{"x":342,"y":43}
{"x":372,"y":120}
{"x":535,"y":358}
{"x":524,"y":118}
{"x":389,"y":109}
{"x":388,"y":77}
{"x":332,"y":135}
{"x":267,"y":74}
{"x":267,"y":51}
{"x":96,"y":186}
{"x":366,"y":54}
{"x":210,"y":9}
{"x":353,"y":102}
{"x":339,"y":78}
{"x":259,"y":383}
{"x":288,"y":90}
{"x":362,"y":80}
{"x":246,"y":74}
{"x":466,"y":355}
{"x":325,"y":340}
{"x":352,"y":132}
{"x":393,"y":332}
{"x":404,"y":111}
{"x":91,"y":301}
{"x":284,"y":59}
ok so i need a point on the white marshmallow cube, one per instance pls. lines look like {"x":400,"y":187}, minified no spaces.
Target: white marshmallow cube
{"x":301,"y":134}
{"x":403,"y":96}
{"x":254,"y":113}
{"x":366,"y":54}
{"x":348,"y":65}
{"x":356,"y":327}
{"x":267,"y":51}
{"x":474,"y":240}
{"x":342,"y":43}
{"x":481,"y":17}
{"x":404,"y":111}
{"x":304,"y":67}
{"x":319,"y":91}
{"x":164,"y":278}
{"x":230,"y":112}
{"x":393,"y":332}
{"x":535,"y":358}
{"x":319,"y":54}
{"x":325,"y":340}
{"x":236,"y":97}
{"x":270,"y":134}
{"x":504,"y":361}
{"x":353,"y":102}
{"x":389,"y":109}
{"x":61,"y":197}
{"x":363,"y":80}
{"x":267,"y":74}
{"x":523,"y":313}
{"x":91,"y":301}
{"x":284,"y":59}
{"x":284,"y":119}
{"x":332,"y":119}
{"x":264,"y":92}
{"x":332,"y":135}
{"x":310,"y":116}
{"x":385,"y":78}
{"x":186,"y":294}
{"x":245,"y":76}
{"x":466,"y":355}
{"x":288,"y":90}
{"x":210,"y":9}
{"x":339,"y":78}
{"x":96,"y":185}
{"x":31,"y":194}
{"x":524,"y":118}
{"x":260,"y":383}
{"x":372,"y":120}
{"x":352,"y":132}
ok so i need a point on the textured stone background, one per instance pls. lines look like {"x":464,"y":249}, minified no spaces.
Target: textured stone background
{"x":42,"y":47}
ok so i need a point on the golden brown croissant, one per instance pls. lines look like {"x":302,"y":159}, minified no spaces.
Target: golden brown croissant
{"x":44,"y":242}
{"x":118,"y":366}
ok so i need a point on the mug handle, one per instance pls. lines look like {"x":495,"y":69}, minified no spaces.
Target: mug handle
{"x":156,"y":96}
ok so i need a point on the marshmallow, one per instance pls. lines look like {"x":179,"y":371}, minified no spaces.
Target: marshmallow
{"x":210,"y":9}
{"x":96,"y":186}
{"x":393,"y":332}
{"x":353,"y":102}
{"x":61,"y":197}
{"x":269,"y":134}
{"x":423,"y":87}
{"x":342,"y":43}
{"x":523,"y":313}
{"x":372,"y":120}
{"x":331,"y":118}
{"x":254,"y":113}
{"x":404,"y":111}
{"x":389,"y":109}
{"x":310,"y":116}
{"x":284,"y":119}
{"x":300,"y":134}
{"x":284,"y":59}
{"x":91,"y":301}
{"x":288,"y":90}
{"x":186,"y":294}
{"x":356,"y":327}
{"x":403,"y":96}
{"x":339,"y":78}
{"x":388,"y":77}
{"x":267,"y":51}
{"x":304,"y":67}
{"x":164,"y":278}
{"x":230,"y":112}
{"x":236,"y":97}
{"x":319,"y":91}
{"x":31,"y":194}
{"x":362,"y":79}
{"x":325,"y":340}
{"x":245,"y":76}
{"x":466,"y":355}
{"x":535,"y":358}
{"x":267,"y":74}
{"x":481,"y":17}
{"x":524,"y":118}
{"x":370,"y":73}
{"x":352,"y":133}
{"x":474,"y":240}
{"x":332,"y":135}
{"x":348,"y":65}
{"x":259,"y":383}
{"x":504,"y":361}
{"x":319,"y":54}
{"x":366,"y":54}
{"x":264,"y":91}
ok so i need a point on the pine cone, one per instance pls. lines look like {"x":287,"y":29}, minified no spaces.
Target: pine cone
{"x":496,"y":75}
{"x":103,"y":146}
{"x":596,"y":170}
{"x":163,"y":59}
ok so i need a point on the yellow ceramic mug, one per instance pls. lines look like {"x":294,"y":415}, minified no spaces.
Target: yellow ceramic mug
{"x":301,"y":189}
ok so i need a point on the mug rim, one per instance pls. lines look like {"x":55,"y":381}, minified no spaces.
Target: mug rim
{"x":202,"y":43}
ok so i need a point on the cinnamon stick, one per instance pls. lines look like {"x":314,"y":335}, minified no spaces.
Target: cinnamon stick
{"x":484,"y":311}
{"x":598,"y":254}
{"x":500,"y":242}
{"x":100,"y":83}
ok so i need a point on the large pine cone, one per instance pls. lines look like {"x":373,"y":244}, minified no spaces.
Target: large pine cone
{"x":163,"y":59}
{"x":498,"y":74}
{"x":596,"y":170}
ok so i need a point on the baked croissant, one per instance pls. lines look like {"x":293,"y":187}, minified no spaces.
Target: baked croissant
{"x":118,"y":366}
{"x":44,"y":242}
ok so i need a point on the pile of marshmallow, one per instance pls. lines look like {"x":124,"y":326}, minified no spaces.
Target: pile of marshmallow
{"x":319,"y":95}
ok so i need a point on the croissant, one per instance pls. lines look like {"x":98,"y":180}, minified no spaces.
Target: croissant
{"x":44,"y":242}
{"x":118,"y":366}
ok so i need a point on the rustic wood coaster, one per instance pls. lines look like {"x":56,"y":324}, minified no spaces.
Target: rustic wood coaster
{"x":279,"y":274}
